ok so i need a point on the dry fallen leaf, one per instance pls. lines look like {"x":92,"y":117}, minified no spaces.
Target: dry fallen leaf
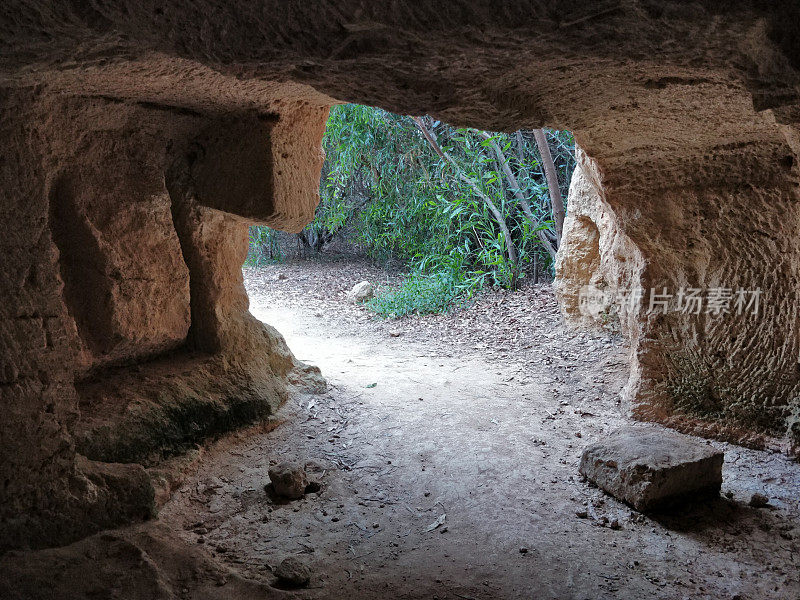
{"x":437,"y":523}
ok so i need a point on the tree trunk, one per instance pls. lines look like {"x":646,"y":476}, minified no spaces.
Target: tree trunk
{"x":511,"y":249}
{"x":520,"y":147}
{"x":513,"y":183}
{"x":556,"y":201}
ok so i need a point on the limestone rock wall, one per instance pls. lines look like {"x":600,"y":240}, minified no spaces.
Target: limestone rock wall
{"x":124,"y":329}
{"x":126,"y":286}
{"x":714,"y":213}
{"x":596,"y":264}
{"x":140,"y":138}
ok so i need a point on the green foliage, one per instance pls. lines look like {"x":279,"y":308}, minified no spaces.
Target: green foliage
{"x":422,"y":294}
{"x":263,"y":247}
{"x":384,"y":185}
{"x":409,"y":204}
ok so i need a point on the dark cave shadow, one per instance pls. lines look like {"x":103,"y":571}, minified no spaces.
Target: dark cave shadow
{"x":313,"y":487}
{"x":716,"y":513}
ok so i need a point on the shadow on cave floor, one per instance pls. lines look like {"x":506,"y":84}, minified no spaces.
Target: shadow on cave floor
{"x":456,"y":475}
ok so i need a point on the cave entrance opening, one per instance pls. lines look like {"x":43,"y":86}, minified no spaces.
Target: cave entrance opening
{"x":455,"y":210}
{"x":445,"y":445}
{"x":445,"y":441}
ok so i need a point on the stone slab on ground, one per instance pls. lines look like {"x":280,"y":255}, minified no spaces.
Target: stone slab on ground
{"x":651,"y":469}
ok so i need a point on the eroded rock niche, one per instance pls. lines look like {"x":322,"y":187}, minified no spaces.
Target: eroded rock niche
{"x":696,"y":266}
{"x":139,"y":141}
{"x":126,"y":332}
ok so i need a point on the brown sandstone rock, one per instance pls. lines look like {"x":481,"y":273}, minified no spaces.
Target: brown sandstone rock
{"x":308,"y":379}
{"x":596,"y":261}
{"x":288,"y":480}
{"x":125,"y":489}
{"x":130,"y":269}
{"x":651,"y":469}
{"x":132,"y":129}
{"x":293,"y":572}
{"x":147,"y":562}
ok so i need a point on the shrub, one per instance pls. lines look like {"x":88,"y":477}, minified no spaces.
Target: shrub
{"x":263,"y":247}
{"x":421,"y":294}
{"x":435,"y":198}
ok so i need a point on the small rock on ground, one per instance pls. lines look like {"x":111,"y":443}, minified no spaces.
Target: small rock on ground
{"x":288,"y":480}
{"x":293,"y":572}
{"x":361,"y":292}
{"x":759,"y":500}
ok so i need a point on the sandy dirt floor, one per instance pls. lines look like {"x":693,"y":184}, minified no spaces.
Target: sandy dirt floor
{"x":447,"y":448}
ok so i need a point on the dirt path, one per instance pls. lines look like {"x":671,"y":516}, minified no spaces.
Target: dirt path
{"x":479,"y":432}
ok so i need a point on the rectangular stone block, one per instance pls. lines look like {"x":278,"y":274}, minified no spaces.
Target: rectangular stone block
{"x":651,"y":469}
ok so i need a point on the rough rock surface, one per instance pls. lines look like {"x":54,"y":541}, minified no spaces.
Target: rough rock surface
{"x":308,"y":379}
{"x":125,"y":335}
{"x":361,"y":292}
{"x":288,"y":480}
{"x":149,"y":562}
{"x":140,"y":137}
{"x":651,"y":469}
{"x":596,"y":260}
{"x":293,"y":572}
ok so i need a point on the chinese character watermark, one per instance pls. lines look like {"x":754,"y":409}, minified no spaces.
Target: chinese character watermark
{"x":714,"y":301}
